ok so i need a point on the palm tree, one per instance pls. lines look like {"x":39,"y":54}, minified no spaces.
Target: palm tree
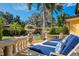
{"x":49,"y":16}
{"x":50,"y":6}
{"x":61,"y":19}
{"x":33,"y":18}
{"x":1,"y":26}
{"x":15,"y":26}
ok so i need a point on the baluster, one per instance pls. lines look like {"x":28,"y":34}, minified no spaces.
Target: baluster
{"x":8,"y":50}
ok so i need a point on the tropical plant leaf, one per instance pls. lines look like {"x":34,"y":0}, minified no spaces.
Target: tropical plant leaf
{"x":29,"y":6}
{"x":38,"y":6}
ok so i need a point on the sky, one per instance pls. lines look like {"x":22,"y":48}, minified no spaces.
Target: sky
{"x":21,"y":9}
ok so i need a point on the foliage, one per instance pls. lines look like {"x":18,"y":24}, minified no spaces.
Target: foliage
{"x":37,"y":37}
{"x":61,"y":19}
{"x":58,"y":30}
{"x":52,"y":31}
{"x":66,"y":31}
{"x":1,"y":27}
{"x":49,"y":6}
{"x":29,"y":27}
{"x":11,"y":32}
{"x":9,"y":18}
{"x":6,"y":33}
{"x":35,"y":19}
{"x":16,"y":27}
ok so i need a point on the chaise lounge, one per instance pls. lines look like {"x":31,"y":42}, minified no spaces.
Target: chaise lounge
{"x":64,"y":47}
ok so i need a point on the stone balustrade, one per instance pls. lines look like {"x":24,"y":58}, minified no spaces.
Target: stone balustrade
{"x":11,"y":47}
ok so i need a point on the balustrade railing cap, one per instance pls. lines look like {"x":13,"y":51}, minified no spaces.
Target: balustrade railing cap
{"x":7,"y":42}
{"x":20,"y":38}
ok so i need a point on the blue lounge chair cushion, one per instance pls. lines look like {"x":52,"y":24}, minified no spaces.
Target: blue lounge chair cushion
{"x":69,"y":45}
{"x":65,"y":40}
{"x":59,"y":47}
{"x":62,"y":43}
{"x":72,"y":42}
{"x":50,"y":43}
{"x":43,"y":49}
{"x":56,"y":40}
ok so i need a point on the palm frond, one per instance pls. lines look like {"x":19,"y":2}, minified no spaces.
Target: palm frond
{"x":29,"y":6}
{"x":47,"y":6}
{"x":38,"y":5}
{"x":59,"y":7}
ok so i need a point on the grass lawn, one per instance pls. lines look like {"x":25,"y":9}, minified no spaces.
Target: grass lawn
{"x":37,"y":38}
{"x":7,"y":37}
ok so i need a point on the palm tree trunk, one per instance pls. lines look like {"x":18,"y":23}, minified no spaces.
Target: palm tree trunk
{"x":51,"y":22}
{"x":43,"y":29}
{"x":43,"y":17}
{"x":50,"y":11}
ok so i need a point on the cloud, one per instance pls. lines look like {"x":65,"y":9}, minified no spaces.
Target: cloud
{"x":2,"y":9}
{"x":22,"y":7}
{"x":70,"y":4}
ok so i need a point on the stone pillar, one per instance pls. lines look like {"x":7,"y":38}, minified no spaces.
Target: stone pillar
{"x":20,"y":45}
{"x":23,"y":43}
{"x":26,"y":42}
{"x":44,"y":35}
{"x":8,"y":50}
{"x":17,"y":46}
{"x":61,"y":36}
{"x":15,"y":49}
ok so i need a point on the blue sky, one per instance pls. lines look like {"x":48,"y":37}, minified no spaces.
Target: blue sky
{"x":21,"y":9}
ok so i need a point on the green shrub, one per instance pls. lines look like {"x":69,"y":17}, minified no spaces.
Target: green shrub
{"x":23,"y":32}
{"x":6,"y":33}
{"x":66,"y":31}
{"x":0,"y":36}
{"x":52,"y":31}
{"x":1,"y":26}
{"x":11,"y":33}
{"x":58,"y":30}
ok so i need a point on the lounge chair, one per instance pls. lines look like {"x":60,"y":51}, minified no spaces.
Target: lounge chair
{"x":67,"y":49}
{"x":56,"y":41}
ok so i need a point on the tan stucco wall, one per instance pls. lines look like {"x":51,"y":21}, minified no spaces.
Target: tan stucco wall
{"x":74,"y":27}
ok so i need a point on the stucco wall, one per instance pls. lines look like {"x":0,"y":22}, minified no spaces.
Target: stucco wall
{"x":74,"y":27}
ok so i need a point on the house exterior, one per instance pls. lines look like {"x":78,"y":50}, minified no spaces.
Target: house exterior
{"x":73,"y":22}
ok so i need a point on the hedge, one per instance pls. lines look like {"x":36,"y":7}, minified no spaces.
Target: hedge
{"x":58,"y":30}
{"x":11,"y":33}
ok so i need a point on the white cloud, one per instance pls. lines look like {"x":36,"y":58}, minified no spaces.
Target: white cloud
{"x":2,"y":9}
{"x":70,"y":4}
{"x":23,"y":7}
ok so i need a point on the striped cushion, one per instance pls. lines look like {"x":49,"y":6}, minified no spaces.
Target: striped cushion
{"x":72,"y":42}
{"x":43,"y":49}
